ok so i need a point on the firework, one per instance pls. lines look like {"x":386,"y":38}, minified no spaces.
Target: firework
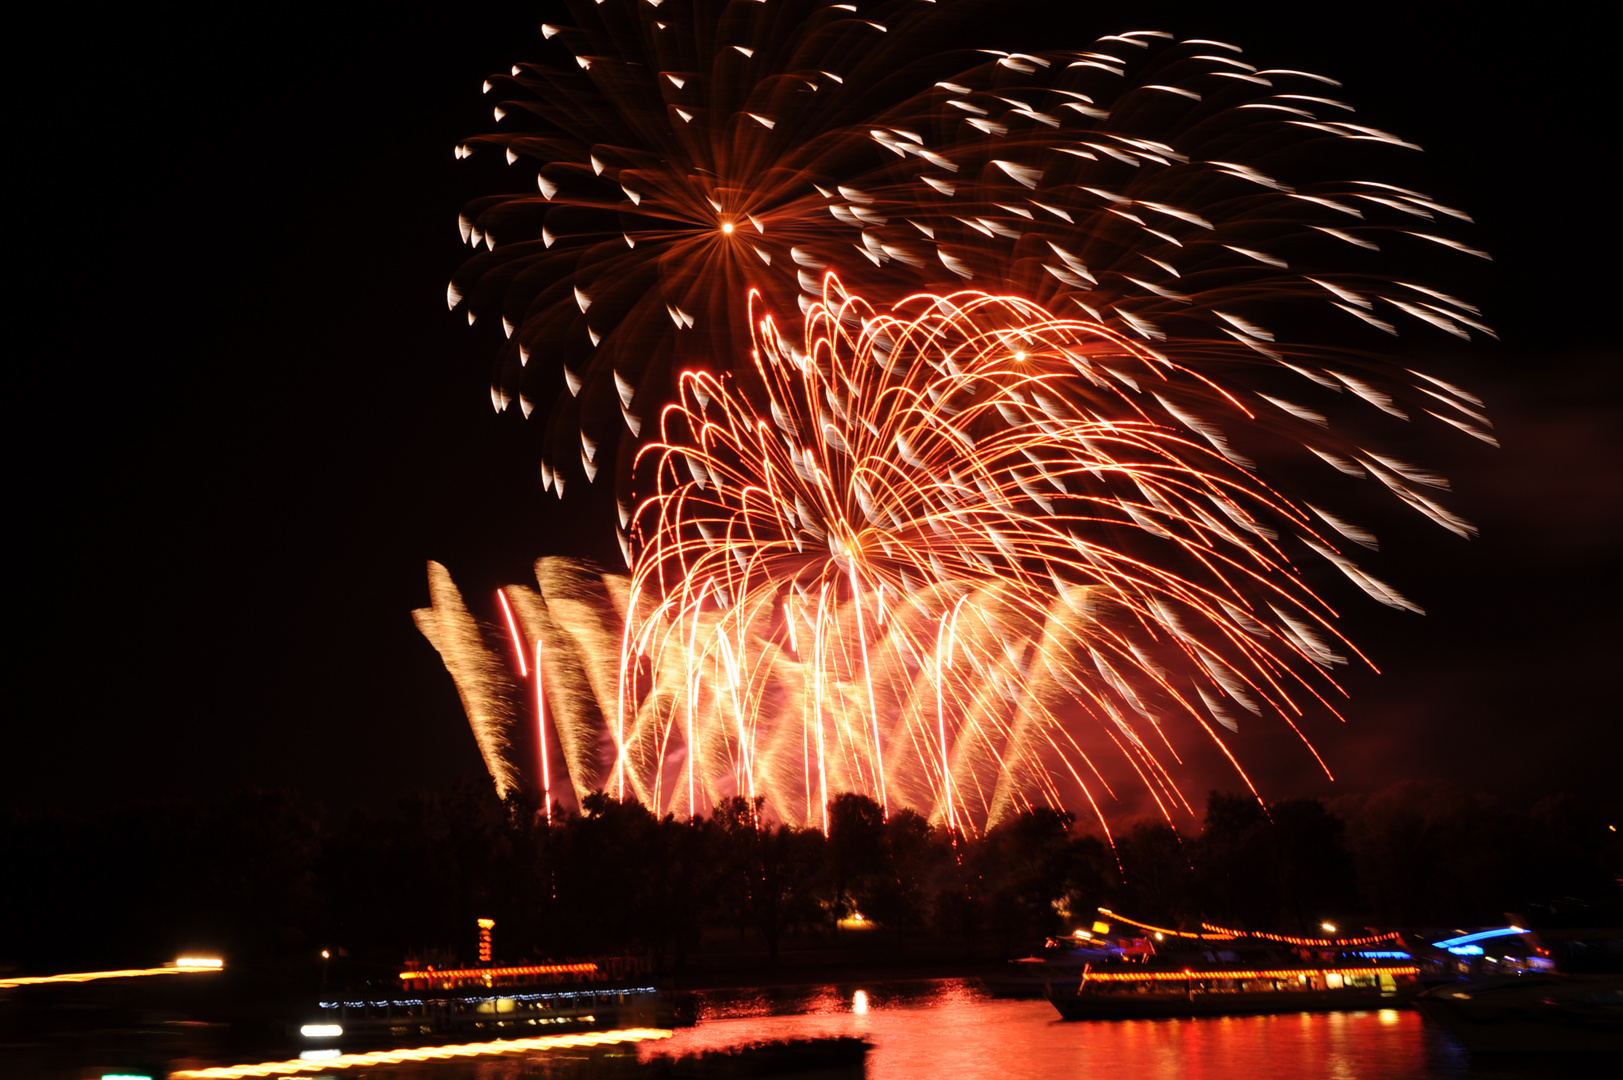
{"x":955,"y":529}
{"x":953,"y":551}
{"x":963,"y":559}
{"x":685,"y":153}
{"x":481,"y":676}
{"x":569,"y":625}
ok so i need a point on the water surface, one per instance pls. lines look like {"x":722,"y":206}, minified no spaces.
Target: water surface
{"x":953,"y":1030}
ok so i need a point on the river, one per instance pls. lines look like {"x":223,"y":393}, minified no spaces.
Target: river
{"x":952,"y":1030}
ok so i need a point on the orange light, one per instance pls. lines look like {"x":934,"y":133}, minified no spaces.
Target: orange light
{"x":541,"y":733}
{"x":1282,"y":973}
{"x":485,"y":927}
{"x":1373,"y":939}
{"x":179,"y":968}
{"x":1221,"y":935}
{"x":533,"y":969}
{"x":424,"y":1053}
{"x":727,"y":227}
{"x":512,"y":628}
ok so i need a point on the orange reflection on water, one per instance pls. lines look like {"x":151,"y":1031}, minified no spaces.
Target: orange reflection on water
{"x":951,"y":1030}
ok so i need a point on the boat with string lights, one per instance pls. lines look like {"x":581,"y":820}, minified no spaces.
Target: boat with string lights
{"x":1221,"y":972}
{"x":489,"y":1002}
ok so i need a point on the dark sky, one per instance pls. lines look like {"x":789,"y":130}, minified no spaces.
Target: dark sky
{"x":243,"y":418}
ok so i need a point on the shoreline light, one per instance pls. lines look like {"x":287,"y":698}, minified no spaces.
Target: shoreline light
{"x":423,"y":1053}
{"x":184,"y":966}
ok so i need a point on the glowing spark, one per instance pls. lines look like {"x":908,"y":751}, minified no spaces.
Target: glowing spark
{"x":515,"y":636}
{"x":541,"y":733}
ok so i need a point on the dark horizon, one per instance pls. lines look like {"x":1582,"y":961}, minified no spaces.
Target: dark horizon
{"x":265,"y":422}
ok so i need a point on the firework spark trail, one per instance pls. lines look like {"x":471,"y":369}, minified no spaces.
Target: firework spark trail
{"x":574,"y":618}
{"x":1039,"y":559}
{"x":478,"y":670}
{"x":541,"y":731}
{"x":563,"y":688}
{"x":1166,"y":189}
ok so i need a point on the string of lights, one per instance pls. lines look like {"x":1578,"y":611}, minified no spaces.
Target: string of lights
{"x":559,"y":996}
{"x":1371,"y":939}
{"x":500,"y":972}
{"x":1271,"y":973}
{"x":1223,"y":935}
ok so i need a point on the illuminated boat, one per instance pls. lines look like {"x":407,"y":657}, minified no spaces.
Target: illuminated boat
{"x":1187,"y":985}
{"x":1451,"y":957}
{"x":1226,"y":973}
{"x":470,"y":1004}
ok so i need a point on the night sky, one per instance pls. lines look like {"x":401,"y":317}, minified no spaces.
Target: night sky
{"x":242,"y":418}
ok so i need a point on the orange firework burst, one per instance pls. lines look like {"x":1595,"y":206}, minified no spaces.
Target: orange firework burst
{"x":955,"y":551}
{"x":687,"y":152}
{"x":929,"y":553}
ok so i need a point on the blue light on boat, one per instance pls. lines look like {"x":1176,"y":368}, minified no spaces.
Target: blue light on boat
{"x":1481,"y":935}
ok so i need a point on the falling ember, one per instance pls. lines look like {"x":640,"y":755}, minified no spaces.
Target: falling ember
{"x":541,"y":733}
{"x":517,"y":638}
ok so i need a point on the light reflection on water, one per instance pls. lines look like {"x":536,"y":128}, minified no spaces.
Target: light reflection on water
{"x":952,"y":1030}
{"x":947,"y":1030}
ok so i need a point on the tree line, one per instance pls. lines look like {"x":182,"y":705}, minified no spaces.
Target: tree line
{"x":261,"y":874}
